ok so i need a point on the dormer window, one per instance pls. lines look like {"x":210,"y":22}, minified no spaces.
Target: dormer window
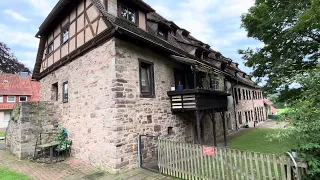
{"x":128,"y":14}
{"x":198,"y":54}
{"x":163,"y":34}
{"x":65,"y":35}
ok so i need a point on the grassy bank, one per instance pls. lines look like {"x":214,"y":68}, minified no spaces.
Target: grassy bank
{"x":256,"y":140}
{"x":7,"y":174}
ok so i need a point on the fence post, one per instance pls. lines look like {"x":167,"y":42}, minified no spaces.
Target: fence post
{"x":139,"y":152}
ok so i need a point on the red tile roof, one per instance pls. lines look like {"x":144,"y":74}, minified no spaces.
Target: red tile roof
{"x":273,"y":110}
{"x":266,"y":101}
{"x":15,"y":85}
{"x":12,"y":84}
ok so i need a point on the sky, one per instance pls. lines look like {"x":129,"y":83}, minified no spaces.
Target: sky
{"x":215,"y":22}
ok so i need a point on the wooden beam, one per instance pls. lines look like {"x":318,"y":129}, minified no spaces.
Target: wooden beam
{"x":211,"y":114}
{"x":224,"y":127}
{"x":198,"y":116}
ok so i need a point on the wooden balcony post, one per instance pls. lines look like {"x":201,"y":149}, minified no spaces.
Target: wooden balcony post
{"x":224,"y":127}
{"x":198,"y":116}
{"x":213,"y":127}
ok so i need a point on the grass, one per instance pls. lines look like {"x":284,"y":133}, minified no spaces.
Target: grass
{"x":2,"y":134}
{"x":256,"y":140}
{"x":7,"y":174}
{"x":283,"y":111}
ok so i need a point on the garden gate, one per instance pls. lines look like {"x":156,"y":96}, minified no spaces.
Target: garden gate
{"x":148,"y":152}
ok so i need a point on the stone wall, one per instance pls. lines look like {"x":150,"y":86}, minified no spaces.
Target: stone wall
{"x":137,"y":115}
{"x":105,"y":112}
{"x":90,"y":113}
{"x":28,"y":119}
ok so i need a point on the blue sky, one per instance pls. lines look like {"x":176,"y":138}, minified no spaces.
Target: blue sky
{"x":216,"y":22}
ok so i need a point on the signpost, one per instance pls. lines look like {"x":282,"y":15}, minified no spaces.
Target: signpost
{"x":209,"y":151}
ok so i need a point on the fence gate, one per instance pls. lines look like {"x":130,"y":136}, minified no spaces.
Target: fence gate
{"x":148,"y":152}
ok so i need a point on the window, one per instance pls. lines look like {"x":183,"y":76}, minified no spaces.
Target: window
{"x":54,"y":92}
{"x":240,"y":117}
{"x":239,"y":93}
{"x":128,"y":14}
{"x":23,"y":99}
{"x":146,"y":78}
{"x":244,"y":94}
{"x":11,"y":99}
{"x":65,"y":35}
{"x":170,"y":131}
{"x":7,"y":116}
{"x":65,"y":92}
{"x":236,"y":95}
{"x":50,"y":48}
{"x":162,"y":34}
{"x":215,"y":83}
{"x":1,"y":98}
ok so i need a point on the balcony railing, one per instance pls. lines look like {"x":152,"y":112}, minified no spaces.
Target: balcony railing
{"x":197,"y":99}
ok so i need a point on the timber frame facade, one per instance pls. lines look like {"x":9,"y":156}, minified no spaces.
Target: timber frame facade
{"x":130,"y":71}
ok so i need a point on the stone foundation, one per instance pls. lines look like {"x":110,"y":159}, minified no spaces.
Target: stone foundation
{"x":27,"y":121}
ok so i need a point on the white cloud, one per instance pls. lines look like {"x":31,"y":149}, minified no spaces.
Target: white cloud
{"x":17,"y":38}
{"x":28,"y":58}
{"x":43,"y":7}
{"x":16,"y":15}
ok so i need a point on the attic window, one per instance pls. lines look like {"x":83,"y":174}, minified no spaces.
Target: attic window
{"x":163,"y":34}
{"x":198,"y":54}
{"x":128,"y":14}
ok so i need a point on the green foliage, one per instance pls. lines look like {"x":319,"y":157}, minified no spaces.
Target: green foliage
{"x":2,"y":134}
{"x":9,"y":63}
{"x":290,"y":31}
{"x":304,"y":118}
{"x":257,"y":140}
{"x":62,"y":138}
{"x":7,"y":174}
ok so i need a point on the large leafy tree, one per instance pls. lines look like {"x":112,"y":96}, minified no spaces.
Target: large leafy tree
{"x":290,"y":31}
{"x":9,"y":63}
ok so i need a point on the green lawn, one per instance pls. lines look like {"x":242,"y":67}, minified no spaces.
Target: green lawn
{"x":256,"y":140}
{"x":7,"y":174}
{"x":282,"y":111}
{"x":2,"y":134}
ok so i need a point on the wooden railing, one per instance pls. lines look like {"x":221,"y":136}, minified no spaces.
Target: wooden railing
{"x":184,"y":101}
{"x":197,"y":99}
{"x":188,"y":161}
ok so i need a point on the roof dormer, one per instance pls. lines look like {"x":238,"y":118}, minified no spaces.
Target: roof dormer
{"x":133,"y":11}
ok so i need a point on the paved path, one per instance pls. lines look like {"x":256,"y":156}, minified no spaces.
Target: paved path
{"x":72,"y":169}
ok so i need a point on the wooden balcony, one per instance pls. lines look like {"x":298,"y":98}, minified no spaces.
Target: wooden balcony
{"x":197,"y":99}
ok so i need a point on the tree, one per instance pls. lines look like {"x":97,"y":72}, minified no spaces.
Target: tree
{"x":304,"y":116}
{"x":290,"y":31}
{"x":9,"y":63}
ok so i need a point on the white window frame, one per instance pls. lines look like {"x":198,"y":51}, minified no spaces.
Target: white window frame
{"x":1,"y":99}
{"x":4,"y":115}
{"x":65,"y":35}
{"x":11,"y":101}
{"x":23,"y":96}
